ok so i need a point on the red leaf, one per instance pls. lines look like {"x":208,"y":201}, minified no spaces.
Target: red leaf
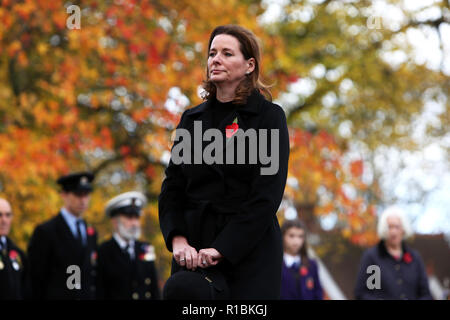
{"x":356,"y":168}
{"x":125,"y":150}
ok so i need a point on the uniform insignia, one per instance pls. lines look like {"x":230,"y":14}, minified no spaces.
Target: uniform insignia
{"x":1,"y":264}
{"x":148,"y":254}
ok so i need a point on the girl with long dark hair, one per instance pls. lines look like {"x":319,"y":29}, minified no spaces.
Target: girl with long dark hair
{"x":300,"y":274}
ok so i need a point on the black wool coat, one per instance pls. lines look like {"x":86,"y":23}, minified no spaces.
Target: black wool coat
{"x":120,"y":278}
{"x":231,"y":207}
{"x":14,"y":276}
{"x":403,"y":279}
{"x":51,"y":250}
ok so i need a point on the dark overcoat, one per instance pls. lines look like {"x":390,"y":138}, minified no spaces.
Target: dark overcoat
{"x":14,"y":273}
{"x":121,"y":278}
{"x":231,"y":207}
{"x":401,"y":279}
{"x":51,"y":250}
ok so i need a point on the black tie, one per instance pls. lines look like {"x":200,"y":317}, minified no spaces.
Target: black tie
{"x":128,"y":252}
{"x":79,"y":235}
{"x":3,"y":248}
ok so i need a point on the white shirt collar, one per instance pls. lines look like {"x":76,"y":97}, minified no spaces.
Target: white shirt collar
{"x":3,"y":241}
{"x":289,"y":260}
{"x":122,"y":242}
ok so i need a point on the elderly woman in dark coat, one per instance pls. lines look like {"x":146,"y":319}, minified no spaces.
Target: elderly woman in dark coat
{"x":221,"y":215}
{"x":401,"y":270}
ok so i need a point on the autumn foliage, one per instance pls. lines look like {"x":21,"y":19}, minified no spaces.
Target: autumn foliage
{"x":107,"y":97}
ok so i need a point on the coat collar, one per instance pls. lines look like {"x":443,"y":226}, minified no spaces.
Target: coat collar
{"x":4,"y":240}
{"x":8,"y":244}
{"x":251,"y":107}
{"x":66,"y":233}
{"x":383,"y":251}
{"x":122,"y":242}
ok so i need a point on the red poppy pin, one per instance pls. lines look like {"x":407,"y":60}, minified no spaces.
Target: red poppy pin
{"x":231,"y":129}
{"x":90,"y":231}
{"x":303,"y":271}
{"x":13,"y":255}
{"x":407,"y":257}
{"x":15,"y":259}
{"x":310,"y":283}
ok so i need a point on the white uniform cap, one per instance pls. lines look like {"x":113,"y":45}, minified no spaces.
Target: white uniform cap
{"x":131,"y":198}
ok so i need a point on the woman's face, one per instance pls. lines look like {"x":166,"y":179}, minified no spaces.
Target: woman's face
{"x":293,"y":240}
{"x":226,"y":63}
{"x":395,"y":230}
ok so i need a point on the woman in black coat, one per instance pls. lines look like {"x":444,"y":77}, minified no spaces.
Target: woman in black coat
{"x":399,"y":269}
{"x":223,"y":215}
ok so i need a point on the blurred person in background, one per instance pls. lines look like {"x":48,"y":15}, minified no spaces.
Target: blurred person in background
{"x":63,"y":243}
{"x":126,"y":267}
{"x":300,"y":273}
{"x":13,"y":263}
{"x":402,"y":272}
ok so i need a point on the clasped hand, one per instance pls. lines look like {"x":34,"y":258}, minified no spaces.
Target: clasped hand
{"x":187,"y":256}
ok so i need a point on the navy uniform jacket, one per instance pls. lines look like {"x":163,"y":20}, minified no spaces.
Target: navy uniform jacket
{"x":52,"y":249}
{"x":14,"y":279}
{"x":298,"y":285}
{"x":120,"y":278}
{"x":400,"y":279}
{"x":231,"y":207}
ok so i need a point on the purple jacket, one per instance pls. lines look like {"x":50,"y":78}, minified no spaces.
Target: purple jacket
{"x":295,"y":286}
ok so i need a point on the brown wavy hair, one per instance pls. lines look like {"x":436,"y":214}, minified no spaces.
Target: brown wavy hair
{"x":296,"y":223}
{"x":250,"y":49}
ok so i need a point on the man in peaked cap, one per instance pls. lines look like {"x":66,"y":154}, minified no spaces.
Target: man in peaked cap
{"x":126,"y":267}
{"x":63,"y":250}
